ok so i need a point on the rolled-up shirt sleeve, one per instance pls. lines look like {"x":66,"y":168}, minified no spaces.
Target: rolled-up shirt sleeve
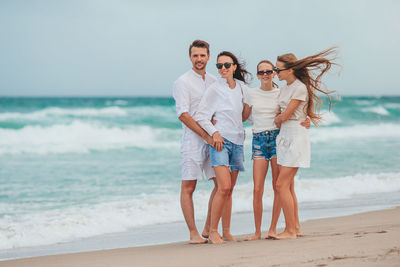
{"x":182,"y":98}
{"x":206,"y":109}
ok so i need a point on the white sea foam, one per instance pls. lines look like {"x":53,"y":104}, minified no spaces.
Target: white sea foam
{"x":57,"y":112}
{"x":62,"y":225}
{"x":378,"y":110}
{"x":392,"y":105}
{"x":82,"y":137}
{"x":327,"y":134}
{"x":364,"y":102}
{"x":329,"y":117}
{"x":118,"y":102}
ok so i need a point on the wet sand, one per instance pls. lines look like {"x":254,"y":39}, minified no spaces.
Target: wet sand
{"x":366,"y":239}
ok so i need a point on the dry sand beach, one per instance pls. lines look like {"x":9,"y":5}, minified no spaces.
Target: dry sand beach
{"x":367,"y":239}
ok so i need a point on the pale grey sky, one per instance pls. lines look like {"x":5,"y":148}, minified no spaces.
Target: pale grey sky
{"x":130,"y":48}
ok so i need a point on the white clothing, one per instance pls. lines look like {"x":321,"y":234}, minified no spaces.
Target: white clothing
{"x":293,"y":141}
{"x":192,"y":169}
{"x":264,"y":108}
{"x":293,"y":145}
{"x":188,"y":90}
{"x":297,"y":90}
{"x":226,"y":105}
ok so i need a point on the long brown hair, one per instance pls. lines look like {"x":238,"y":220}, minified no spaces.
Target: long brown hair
{"x":240,"y":73}
{"x":270,"y":63}
{"x":309,"y":71}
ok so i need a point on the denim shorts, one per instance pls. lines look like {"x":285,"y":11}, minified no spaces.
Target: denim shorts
{"x":231,"y":155}
{"x":264,"y":144}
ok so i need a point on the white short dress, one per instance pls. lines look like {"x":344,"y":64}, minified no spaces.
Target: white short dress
{"x":293,"y":142}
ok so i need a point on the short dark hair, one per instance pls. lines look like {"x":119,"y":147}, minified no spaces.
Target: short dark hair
{"x":199,"y":43}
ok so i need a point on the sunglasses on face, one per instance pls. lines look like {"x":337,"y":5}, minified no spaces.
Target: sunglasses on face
{"x":268,"y":72}
{"x":278,"y":70}
{"x":227,"y":65}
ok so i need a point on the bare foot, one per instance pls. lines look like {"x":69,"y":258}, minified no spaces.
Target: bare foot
{"x":198,"y":240}
{"x":215,"y":238}
{"x":228,"y":237}
{"x":253,"y":237}
{"x":205,"y":233}
{"x":271,"y":235}
{"x":195,"y":238}
{"x":298,"y":232}
{"x":285,"y":235}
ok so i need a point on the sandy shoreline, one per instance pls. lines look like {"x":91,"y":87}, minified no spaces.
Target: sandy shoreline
{"x":366,"y":239}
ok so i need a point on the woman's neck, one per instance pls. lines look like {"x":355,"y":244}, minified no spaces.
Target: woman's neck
{"x":267,"y":86}
{"x":231,"y":82}
{"x":290,"y":80}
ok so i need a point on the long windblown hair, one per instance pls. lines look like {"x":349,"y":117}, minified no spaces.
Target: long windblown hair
{"x":240,"y":73}
{"x":309,"y":71}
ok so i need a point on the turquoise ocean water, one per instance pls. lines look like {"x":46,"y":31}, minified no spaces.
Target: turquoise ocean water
{"x":75,"y":168}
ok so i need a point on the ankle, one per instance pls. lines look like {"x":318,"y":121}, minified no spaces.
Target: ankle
{"x":193,"y":232}
{"x":226,"y":230}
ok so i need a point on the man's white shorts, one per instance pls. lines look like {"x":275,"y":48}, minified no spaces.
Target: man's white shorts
{"x":194,"y":165}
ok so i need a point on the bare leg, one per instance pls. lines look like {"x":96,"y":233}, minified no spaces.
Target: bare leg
{"x":296,"y":209}
{"x":286,"y":176}
{"x":276,"y":209}
{"x":260,"y":169}
{"x":187,"y":189}
{"x":223,"y":177}
{"x":206,"y":229}
{"x":227,"y":211}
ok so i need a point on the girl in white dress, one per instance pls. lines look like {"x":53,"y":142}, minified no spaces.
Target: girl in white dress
{"x":297,"y":100}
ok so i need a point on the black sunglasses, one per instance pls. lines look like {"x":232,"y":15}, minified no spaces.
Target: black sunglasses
{"x":278,"y":70}
{"x":268,"y":72}
{"x":227,"y":65}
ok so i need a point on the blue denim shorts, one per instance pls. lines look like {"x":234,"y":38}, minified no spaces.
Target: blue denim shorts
{"x":231,"y":155}
{"x":264,"y":144}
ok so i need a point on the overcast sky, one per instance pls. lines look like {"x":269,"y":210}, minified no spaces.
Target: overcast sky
{"x":132,"y":48}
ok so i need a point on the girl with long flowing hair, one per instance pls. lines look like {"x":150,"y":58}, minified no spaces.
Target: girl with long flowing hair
{"x":297,"y":100}
{"x":262,"y":104}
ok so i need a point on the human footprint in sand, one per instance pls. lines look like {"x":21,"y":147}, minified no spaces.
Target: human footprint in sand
{"x":262,"y":104}
{"x":297,"y":100}
{"x":188,"y":91}
{"x":224,"y":101}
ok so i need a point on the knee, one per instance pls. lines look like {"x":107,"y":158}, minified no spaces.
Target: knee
{"x":224,"y":190}
{"x":280,"y":187}
{"x":258,"y":192}
{"x":188,"y":189}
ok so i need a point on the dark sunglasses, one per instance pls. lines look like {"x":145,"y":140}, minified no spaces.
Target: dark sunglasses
{"x":268,"y":72}
{"x":227,"y":65}
{"x":279,"y":70}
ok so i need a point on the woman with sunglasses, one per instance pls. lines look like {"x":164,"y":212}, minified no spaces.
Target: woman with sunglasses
{"x":263,"y":105}
{"x":223,"y":101}
{"x":297,"y":100}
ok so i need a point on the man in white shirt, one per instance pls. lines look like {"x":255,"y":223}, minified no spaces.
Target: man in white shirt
{"x":188,"y":91}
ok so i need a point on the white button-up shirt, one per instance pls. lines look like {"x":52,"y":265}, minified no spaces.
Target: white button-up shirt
{"x":188,"y":92}
{"x":226,"y":105}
